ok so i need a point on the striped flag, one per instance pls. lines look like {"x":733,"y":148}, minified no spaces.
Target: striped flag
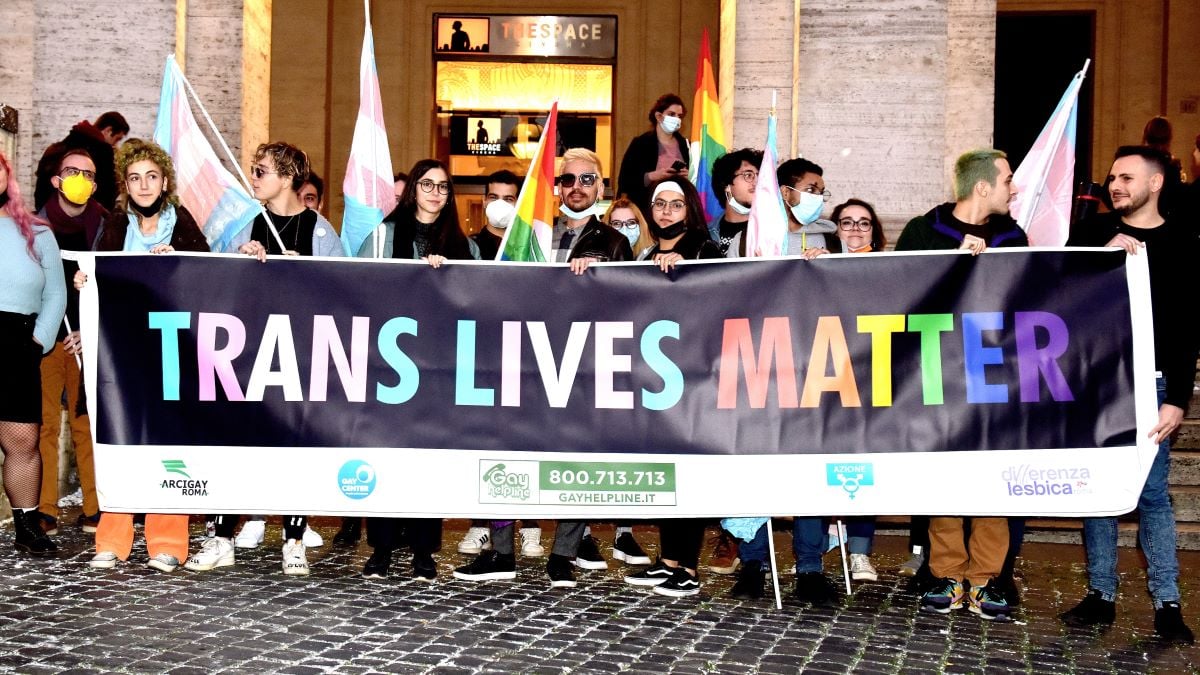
{"x":1045,"y":180}
{"x":367,"y":191}
{"x":766,"y":233}
{"x":708,"y":132}
{"x":218,"y":202}
{"x":528,"y":237}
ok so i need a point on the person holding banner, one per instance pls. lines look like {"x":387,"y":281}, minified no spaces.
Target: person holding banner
{"x":978,"y":219}
{"x":33,"y":299}
{"x":424,"y":226}
{"x":150,"y":219}
{"x":625,"y":217}
{"x":1135,"y":184}
{"x":279,"y":171}
{"x":803,"y":186}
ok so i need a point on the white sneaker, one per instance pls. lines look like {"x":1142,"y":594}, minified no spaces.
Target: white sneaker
{"x":294,"y":559}
{"x":312,"y":538}
{"x":531,"y":542}
{"x":475,"y":541}
{"x":215,"y":552}
{"x":103,"y":560}
{"x":251,"y":535}
{"x":163,"y":562}
{"x":210,"y":529}
{"x":861,"y":568}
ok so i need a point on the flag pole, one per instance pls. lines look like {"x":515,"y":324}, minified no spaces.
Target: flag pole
{"x":229,"y":153}
{"x":774,"y":567}
{"x":67,"y":323}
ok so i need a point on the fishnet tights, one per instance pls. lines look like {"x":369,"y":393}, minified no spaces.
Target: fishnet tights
{"x":22,"y":463}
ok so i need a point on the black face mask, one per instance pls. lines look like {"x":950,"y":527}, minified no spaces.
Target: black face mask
{"x":4,"y":199}
{"x":148,"y":211}
{"x":668,"y":232}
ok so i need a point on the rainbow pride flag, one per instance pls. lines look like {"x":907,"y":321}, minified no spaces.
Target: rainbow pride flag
{"x":527,"y":239}
{"x":708,"y":132}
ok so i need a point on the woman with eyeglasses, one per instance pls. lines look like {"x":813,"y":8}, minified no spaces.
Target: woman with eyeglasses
{"x":33,"y":299}
{"x":423,"y":227}
{"x":148,"y":218}
{"x":657,"y":155}
{"x":625,"y":217}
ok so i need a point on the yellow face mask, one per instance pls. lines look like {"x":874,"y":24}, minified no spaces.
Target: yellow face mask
{"x":77,"y":189}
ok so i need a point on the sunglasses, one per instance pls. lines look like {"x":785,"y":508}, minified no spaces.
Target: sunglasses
{"x":585,"y":179}
{"x":259,"y":172}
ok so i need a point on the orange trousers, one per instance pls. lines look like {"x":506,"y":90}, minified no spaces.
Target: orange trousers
{"x":165,"y":533}
{"x":978,"y":560}
{"x":59,"y":372}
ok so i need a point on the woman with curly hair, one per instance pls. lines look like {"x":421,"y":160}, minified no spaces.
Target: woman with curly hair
{"x":148,"y":218}
{"x":33,"y":299}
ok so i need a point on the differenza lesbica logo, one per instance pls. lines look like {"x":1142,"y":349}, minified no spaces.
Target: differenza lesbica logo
{"x":356,"y":479}
{"x":187,"y":486}
{"x":850,"y":477}
{"x":509,"y":482}
{"x":1029,"y":481}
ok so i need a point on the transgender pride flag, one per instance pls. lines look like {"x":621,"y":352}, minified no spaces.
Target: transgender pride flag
{"x":218,"y":202}
{"x":1045,"y":180}
{"x":708,"y":133}
{"x":367,"y":191}
{"x":767,"y":231}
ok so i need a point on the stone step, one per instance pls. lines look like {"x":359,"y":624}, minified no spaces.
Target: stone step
{"x":1189,"y":435}
{"x":1185,"y":468}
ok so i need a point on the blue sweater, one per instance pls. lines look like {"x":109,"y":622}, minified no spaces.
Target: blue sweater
{"x":28,"y":286}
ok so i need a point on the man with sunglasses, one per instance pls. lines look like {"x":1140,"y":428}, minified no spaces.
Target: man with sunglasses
{"x":579,"y":233}
{"x":735,"y":175}
{"x":75,"y":218}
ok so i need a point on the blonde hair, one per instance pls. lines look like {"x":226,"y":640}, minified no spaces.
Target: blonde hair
{"x":581,"y":155}
{"x":135,"y":150}
{"x":644,"y":240}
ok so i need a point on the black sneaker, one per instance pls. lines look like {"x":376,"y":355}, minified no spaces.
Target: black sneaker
{"x":424,"y":567}
{"x":627,"y":550}
{"x":1007,"y":586}
{"x":488,"y":566}
{"x":349,"y":533}
{"x":814,"y":588}
{"x":651,"y":576}
{"x":377,"y":565}
{"x":1092,"y":610}
{"x":988,"y":602}
{"x":588,"y":557}
{"x":750,"y":580}
{"x":1169,"y":625}
{"x":558,"y":568}
{"x":29,"y":535}
{"x":681,"y":584}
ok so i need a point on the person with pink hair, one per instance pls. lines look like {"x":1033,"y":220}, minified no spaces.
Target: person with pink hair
{"x":33,"y":299}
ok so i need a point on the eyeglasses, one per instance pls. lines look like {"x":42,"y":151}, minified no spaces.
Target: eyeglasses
{"x":810,"y":189}
{"x":673,"y":205}
{"x":621,"y":224}
{"x":747,"y":175}
{"x":259,"y":172}
{"x":427,"y":185}
{"x":585,"y":179}
{"x":72,"y":171}
{"x":850,"y":224}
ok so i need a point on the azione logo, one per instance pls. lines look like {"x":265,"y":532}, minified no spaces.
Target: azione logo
{"x":356,"y":479}
{"x":851,"y":477}
{"x":1029,"y":481}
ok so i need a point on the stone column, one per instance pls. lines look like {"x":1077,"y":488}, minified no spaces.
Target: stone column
{"x":883,"y":94}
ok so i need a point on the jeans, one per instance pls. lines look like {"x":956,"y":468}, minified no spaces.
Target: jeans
{"x":1156,"y":533}
{"x":860,"y":534}
{"x":809,"y":538}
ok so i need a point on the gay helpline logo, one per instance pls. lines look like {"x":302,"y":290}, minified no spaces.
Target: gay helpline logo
{"x":1029,"y":481}
{"x":508,"y":482}
{"x":850,"y":477}
{"x":356,"y":479}
{"x":187,"y":486}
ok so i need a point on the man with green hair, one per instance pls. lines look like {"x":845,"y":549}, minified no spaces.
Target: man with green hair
{"x":976,"y":220}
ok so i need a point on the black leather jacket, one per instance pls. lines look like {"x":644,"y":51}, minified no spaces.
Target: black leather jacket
{"x":597,"y":240}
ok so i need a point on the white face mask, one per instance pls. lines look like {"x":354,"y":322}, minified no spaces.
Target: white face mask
{"x":500,"y":214}
{"x":670,"y":124}
{"x":809,"y":208}
{"x":736,"y":206}
{"x":579,"y":215}
{"x":631,"y":233}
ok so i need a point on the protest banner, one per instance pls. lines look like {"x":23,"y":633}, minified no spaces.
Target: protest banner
{"x":1016,"y":382}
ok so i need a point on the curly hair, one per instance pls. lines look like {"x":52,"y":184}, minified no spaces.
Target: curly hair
{"x":136,"y":150}
{"x":290,"y":161}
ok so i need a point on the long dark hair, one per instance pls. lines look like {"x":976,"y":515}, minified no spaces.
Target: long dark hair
{"x":693,"y":212}
{"x":448,"y":239}
{"x":878,"y":240}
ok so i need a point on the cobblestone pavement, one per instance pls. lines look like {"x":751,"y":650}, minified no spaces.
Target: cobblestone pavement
{"x":60,"y":616}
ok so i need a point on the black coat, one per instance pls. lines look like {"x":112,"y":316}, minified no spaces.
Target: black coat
{"x":597,"y":240}
{"x":640,"y":159}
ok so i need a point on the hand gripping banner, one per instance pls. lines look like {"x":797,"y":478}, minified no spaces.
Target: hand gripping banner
{"x":1016,"y":382}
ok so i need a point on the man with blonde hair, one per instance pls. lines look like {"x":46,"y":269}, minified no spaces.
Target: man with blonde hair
{"x":578,"y":233}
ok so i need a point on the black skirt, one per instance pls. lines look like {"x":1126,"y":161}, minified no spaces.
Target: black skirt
{"x":20,"y":361}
